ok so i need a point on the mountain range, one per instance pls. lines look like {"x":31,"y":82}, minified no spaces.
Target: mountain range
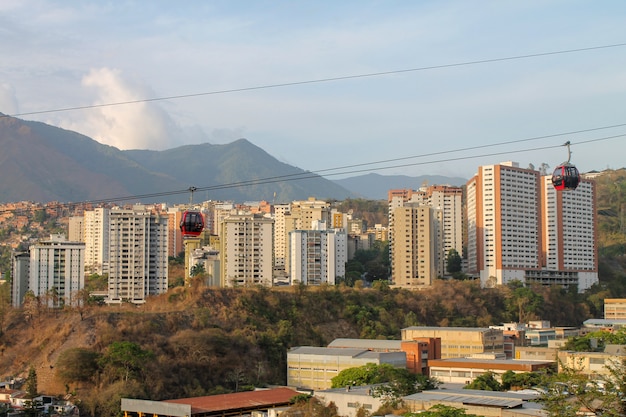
{"x":43,"y":163}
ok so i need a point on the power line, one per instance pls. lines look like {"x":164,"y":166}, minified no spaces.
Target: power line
{"x":311,"y":175}
{"x":320,"y":80}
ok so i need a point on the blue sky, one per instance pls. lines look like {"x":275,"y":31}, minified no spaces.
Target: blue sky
{"x":60,"y":54}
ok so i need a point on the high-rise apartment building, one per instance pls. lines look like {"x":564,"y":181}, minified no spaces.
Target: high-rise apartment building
{"x":137,"y":255}
{"x":280,"y":235}
{"x":520,"y":228}
{"x":416,"y":246}
{"x":317,"y":256}
{"x":76,"y":229}
{"x":301,"y":216}
{"x":96,"y":238}
{"x":446,"y":229}
{"x":568,"y":221}
{"x":57,"y":270}
{"x":247,"y":250}
{"x":174,"y":235}
{"x":20,"y":275}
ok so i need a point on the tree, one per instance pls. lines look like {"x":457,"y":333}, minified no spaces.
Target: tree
{"x":77,"y":364}
{"x":31,"y":383}
{"x":440,"y":410}
{"x":395,"y":382}
{"x":127,"y":359}
{"x":571,"y":393}
{"x":454,"y":261}
{"x":485,"y":382}
{"x":523,"y":303}
{"x":197,"y":270}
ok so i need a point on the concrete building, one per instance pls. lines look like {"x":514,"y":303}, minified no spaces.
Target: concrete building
{"x":137,"y":255}
{"x":416,"y":246}
{"x":445,"y":229}
{"x":568,"y":225}
{"x":593,"y":363}
{"x":615,"y":308}
{"x":465,"y":370}
{"x":317,"y":256}
{"x":76,"y":229}
{"x":280,"y":235}
{"x":174,"y":235}
{"x":314,"y":367}
{"x":247,"y":250}
{"x":478,"y":402}
{"x":20,"y":275}
{"x":96,"y":238}
{"x":458,"y":342}
{"x":235,"y":404}
{"x":351,"y":400}
{"x":57,"y":265}
{"x":209,"y":258}
{"x":418,"y":352}
{"x":302,"y":215}
{"x":520,"y":228}
{"x":503,"y":223}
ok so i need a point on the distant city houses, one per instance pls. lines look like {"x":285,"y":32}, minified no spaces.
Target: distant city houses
{"x":508,"y":223}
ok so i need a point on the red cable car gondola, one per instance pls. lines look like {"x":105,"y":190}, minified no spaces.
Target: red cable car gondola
{"x":192,"y":222}
{"x":566,"y":177}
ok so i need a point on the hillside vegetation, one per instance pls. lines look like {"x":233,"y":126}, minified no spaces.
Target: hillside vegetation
{"x":202,"y":340}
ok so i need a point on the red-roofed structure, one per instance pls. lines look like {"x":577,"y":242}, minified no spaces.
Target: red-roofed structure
{"x":212,"y":405}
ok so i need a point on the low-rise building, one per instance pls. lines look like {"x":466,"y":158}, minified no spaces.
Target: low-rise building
{"x":477,"y":402}
{"x":350,"y":400}
{"x":236,"y":404}
{"x":592,"y":363}
{"x":459,"y":342}
{"x":464,"y":370}
{"x":311,"y":367}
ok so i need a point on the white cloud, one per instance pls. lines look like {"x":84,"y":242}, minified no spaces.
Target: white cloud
{"x":8,"y":100}
{"x":141,"y":125}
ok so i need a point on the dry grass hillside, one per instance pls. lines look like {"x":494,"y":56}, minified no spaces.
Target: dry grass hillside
{"x":205,"y":341}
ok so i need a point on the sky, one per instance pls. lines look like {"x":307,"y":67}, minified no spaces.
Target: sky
{"x":340,"y":88}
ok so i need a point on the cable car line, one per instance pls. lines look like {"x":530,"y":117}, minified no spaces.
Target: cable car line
{"x":310,"y":174}
{"x":317,"y":81}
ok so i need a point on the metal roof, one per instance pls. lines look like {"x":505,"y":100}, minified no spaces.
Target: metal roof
{"x":241,"y":400}
{"x":485,"y":400}
{"x":366,"y":343}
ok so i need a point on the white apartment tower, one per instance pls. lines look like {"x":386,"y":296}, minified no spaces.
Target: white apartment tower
{"x":57,"y":266}
{"x":503,"y":223}
{"x":317,"y":256}
{"x":96,"y":238}
{"x":568,"y":219}
{"x":137,"y":255}
{"x":247,"y":249}
{"x":520,"y":228}
{"x":302,"y":215}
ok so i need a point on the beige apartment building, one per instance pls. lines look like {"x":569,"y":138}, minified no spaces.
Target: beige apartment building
{"x":415,"y":246}
{"x":615,"y":308}
{"x":459,"y":342}
{"x":408,"y":237}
